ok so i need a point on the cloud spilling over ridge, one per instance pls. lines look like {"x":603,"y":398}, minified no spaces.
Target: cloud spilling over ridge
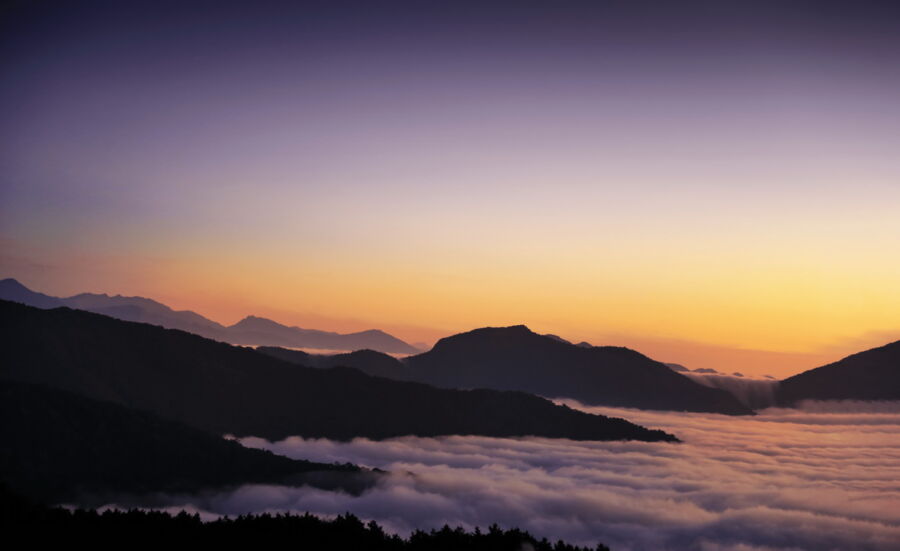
{"x":756,"y":393}
{"x":814,"y":478}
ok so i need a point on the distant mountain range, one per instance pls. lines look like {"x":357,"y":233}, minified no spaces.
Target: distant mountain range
{"x":225,"y":389}
{"x":870,"y":375}
{"x":251,"y":330}
{"x":59,"y":446}
{"x":516,"y":358}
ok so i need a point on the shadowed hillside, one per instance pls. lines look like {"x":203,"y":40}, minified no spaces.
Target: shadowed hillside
{"x":225,"y":389}
{"x":61,"y":446}
{"x":870,"y":375}
{"x":370,"y":362}
{"x":515,"y":358}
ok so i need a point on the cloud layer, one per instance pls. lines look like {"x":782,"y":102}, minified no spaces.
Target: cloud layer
{"x":821,"y":477}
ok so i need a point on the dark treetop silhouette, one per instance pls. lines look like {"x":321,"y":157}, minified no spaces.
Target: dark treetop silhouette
{"x":22,"y":518}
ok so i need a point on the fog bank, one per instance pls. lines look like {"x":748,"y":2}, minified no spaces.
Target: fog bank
{"x":826,"y":476}
{"x":755,"y":393}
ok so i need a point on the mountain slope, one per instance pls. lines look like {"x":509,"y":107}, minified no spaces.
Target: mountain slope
{"x":10,"y":289}
{"x":60,"y":446}
{"x":370,"y":362}
{"x":870,"y":375}
{"x":515,"y":358}
{"x":225,"y":389}
{"x":251,"y":330}
{"x":258,"y":331}
{"x":145,"y":310}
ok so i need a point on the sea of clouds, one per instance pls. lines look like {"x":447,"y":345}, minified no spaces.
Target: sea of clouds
{"x":823,"y":476}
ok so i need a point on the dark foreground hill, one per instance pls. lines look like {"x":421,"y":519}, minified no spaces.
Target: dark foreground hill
{"x":231,"y":390}
{"x":61,"y":446}
{"x":870,"y":375}
{"x":515,"y":358}
{"x":251,"y":330}
{"x":24,"y":520}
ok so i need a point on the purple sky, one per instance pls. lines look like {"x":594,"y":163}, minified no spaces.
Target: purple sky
{"x":593,"y":169}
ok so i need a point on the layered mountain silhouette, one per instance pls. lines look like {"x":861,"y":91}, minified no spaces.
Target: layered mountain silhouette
{"x":870,"y":375}
{"x":516,"y":358}
{"x":251,"y":330}
{"x":225,"y":389}
{"x":61,"y":446}
{"x":370,"y":362}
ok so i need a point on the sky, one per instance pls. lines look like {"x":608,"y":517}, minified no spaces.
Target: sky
{"x":713,"y":183}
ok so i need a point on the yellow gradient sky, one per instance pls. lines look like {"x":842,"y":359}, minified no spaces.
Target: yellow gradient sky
{"x":719,"y":188}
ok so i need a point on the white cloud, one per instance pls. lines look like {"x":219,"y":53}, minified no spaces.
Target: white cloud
{"x":826,"y":477}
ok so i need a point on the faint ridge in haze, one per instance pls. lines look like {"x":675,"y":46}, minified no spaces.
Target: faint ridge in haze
{"x":251,"y":330}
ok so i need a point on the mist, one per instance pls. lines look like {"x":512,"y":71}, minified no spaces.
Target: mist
{"x":755,"y":393}
{"x":825,"y":476}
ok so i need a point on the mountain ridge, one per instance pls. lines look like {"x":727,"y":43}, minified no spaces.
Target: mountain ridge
{"x":872,"y":374}
{"x":62,"y":446}
{"x":516,"y":358}
{"x":226,"y":389}
{"x":251,"y":330}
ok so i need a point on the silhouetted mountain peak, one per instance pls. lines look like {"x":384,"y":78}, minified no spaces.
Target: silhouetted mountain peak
{"x":371,"y":333}
{"x":99,"y":301}
{"x":869,"y":375}
{"x":11,"y":289}
{"x":12,"y":284}
{"x":516,"y":358}
{"x":170,"y":373}
{"x":257,"y":322}
{"x":252,"y":330}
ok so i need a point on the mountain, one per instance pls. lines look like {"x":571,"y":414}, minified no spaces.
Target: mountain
{"x":145,"y":310}
{"x":870,"y":375}
{"x":677,"y":367}
{"x":61,"y":446}
{"x":225,"y":389}
{"x":10,"y":289}
{"x":369,"y":362}
{"x":251,"y":330}
{"x":264,"y":332}
{"x":515,"y":358}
